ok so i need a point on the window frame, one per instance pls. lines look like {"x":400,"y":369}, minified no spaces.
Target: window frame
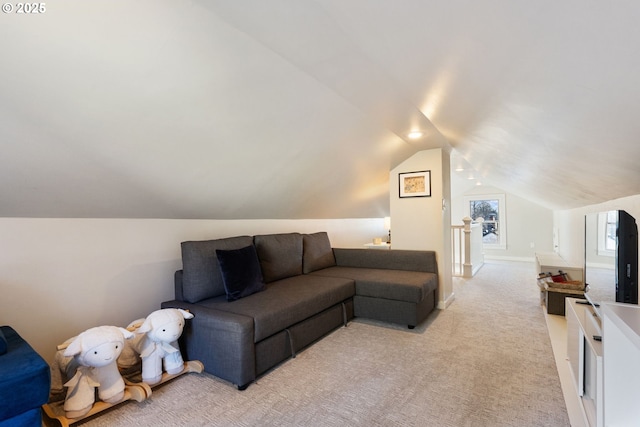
{"x":502,"y":216}
{"x":603,"y":228}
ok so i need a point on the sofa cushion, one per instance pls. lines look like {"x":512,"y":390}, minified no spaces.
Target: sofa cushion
{"x":201,"y":276}
{"x":397,"y":259}
{"x":241,"y":272}
{"x":316,"y":252}
{"x":400,"y":285}
{"x":280,"y":255}
{"x":287,"y":302}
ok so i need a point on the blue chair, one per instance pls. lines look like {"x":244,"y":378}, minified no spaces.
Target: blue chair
{"x":25,"y":380}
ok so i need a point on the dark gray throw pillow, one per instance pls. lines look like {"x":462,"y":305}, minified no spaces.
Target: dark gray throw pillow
{"x":241,"y":272}
{"x":202,"y":278}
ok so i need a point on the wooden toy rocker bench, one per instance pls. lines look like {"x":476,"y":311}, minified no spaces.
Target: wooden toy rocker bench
{"x":133,"y":391}
{"x":90,"y":390}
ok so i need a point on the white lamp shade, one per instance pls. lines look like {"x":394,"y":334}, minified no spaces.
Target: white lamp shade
{"x":387,"y":223}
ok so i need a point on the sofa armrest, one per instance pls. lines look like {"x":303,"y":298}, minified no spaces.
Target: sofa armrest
{"x":222,"y":341}
{"x":409,"y":260}
{"x":177,"y":285}
{"x":25,"y":381}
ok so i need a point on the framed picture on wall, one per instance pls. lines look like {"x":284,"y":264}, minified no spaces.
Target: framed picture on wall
{"x":415,"y":184}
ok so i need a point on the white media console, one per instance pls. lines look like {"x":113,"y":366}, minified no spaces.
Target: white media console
{"x":604,"y":359}
{"x":584,"y":353}
{"x":621,"y":341}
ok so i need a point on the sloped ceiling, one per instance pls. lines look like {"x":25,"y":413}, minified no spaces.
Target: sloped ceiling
{"x":299,"y":109}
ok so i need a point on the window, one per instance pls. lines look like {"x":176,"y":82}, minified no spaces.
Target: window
{"x":607,"y":225}
{"x":491,"y":209}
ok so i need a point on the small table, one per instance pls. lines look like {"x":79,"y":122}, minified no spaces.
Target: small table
{"x":380,"y":246}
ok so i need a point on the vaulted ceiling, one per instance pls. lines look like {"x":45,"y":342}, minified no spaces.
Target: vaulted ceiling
{"x":299,"y":108}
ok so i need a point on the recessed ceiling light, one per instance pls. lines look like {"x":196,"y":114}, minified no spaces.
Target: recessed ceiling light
{"x":459,"y":169}
{"x":415,"y":134}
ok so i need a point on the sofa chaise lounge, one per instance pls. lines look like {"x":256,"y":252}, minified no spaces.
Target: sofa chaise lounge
{"x":257,"y":300}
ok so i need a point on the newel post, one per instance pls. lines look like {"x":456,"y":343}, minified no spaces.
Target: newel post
{"x":467,"y":267}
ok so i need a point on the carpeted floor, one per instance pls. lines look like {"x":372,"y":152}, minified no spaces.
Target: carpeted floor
{"x":484,"y":361}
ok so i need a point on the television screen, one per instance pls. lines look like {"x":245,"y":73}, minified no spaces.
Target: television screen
{"x":627,"y":259}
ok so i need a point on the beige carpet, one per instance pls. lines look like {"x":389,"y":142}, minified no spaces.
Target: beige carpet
{"x":485,"y":361}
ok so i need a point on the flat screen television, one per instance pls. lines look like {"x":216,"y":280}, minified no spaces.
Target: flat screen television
{"x":611,"y":258}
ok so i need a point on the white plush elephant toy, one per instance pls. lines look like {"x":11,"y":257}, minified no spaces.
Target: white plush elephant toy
{"x":162,"y":328}
{"x":96,"y":350}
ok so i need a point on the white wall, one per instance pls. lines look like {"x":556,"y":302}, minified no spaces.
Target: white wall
{"x":527,"y":223}
{"x":421,"y":223}
{"x":60,"y":277}
{"x":570,"y":225}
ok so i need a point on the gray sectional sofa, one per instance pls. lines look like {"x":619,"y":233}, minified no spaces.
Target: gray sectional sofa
{"x":257,"y":300}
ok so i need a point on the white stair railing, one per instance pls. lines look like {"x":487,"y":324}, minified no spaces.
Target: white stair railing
{"x":466,"y":243}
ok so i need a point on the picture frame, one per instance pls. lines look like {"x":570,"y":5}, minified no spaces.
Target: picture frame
{"x":414,"y":184}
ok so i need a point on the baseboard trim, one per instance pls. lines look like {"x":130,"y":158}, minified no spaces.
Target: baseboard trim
{"x":442,"y":305}
{"x":509,"y":258}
